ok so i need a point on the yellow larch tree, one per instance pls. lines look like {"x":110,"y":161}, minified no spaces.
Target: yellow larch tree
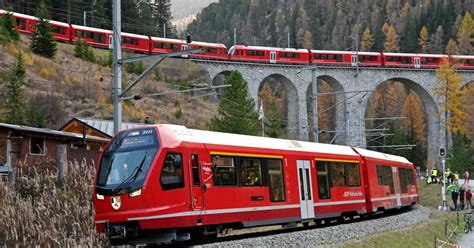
{"x":423,"y":40}
{"x":451,"y":93}
{"x":367,"y":40}
{"x":391,"y":40}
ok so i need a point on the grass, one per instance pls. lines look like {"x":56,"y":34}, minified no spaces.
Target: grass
{"x":421,"y":235}
{"x":36,"y":212}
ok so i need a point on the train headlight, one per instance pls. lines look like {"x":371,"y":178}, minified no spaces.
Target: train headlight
{"x":136,"y":193}
{"x":100,"y":197}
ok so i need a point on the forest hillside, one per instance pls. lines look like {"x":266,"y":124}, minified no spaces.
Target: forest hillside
{"x":323,"y":24}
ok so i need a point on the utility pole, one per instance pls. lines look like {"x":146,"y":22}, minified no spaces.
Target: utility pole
{"x":235,"y":36}
{"x":289,"y":40}
{"x":117,"y":56}
{"x":84,"y":17}
{"x":164,"y":30}
{"x":314,"y":98}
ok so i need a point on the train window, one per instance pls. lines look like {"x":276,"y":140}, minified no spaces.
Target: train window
{"x":338,"y":174}
{"x":424,"y":60}
{"x":470,"y":62}
{"x":58,"y":30}
{"x":251,"y":172}
{"x":195,"y":164}
{"x":99,"y":38}
{"x":130,"y":41}
{"x":352,"y":174}
{"x":324,"y":184}
{"x":289,"y":55}
{"x":21,"y":23}
{"x":277,"y":184}
{"x":384,"y":175}
{"x":172,"y":172}
{"x":403,"y":179}
{"x":255,"y":53}
{"x":223,"y":171}
{"x":368,"y":58}
{"x":339,"y":58}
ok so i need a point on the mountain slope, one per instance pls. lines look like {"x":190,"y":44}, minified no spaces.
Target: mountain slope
{"x":324,"y":24}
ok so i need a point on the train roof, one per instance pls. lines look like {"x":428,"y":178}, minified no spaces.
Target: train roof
{"x":229,"y":139}
{"x":202,"y":43}
{"x":416,"y":55}
{"x":344,"y":52}
{"x":382,"y":156}
{"x":91,"y":29}
{"x":138,"y":36}
{"x":35,"y":18}
{"x":262,"y":48}
{"x":167,"y":39}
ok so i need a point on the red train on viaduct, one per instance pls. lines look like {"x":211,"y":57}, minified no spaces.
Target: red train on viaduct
{"x":102,"y":38}
{"x":165,"y":183}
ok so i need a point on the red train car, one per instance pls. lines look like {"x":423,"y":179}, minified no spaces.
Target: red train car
{"x":391,"y":180}
{"x":164,"y":183}
{"x":165,"y":45}
{"x":95,"y":37}
{"x":424,"y":61}
{"x":464,"y":61}
{"x":211,"y":50}
{"x":345,"y":58}
{"x":135,"y":43}
{"x":273,"y":55}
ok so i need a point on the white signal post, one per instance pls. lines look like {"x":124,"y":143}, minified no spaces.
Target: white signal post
{"x":442,"y":153}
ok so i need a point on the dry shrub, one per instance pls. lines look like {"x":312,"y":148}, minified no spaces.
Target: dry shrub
{"x":47,"y":72}
{"x":38,"y":213}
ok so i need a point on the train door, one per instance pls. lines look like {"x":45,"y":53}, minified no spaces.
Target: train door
{"x":396,"y":185}
{"x":417,"y":62}
{"x":111,"y":42}
{"x":354,"y":60}
{"x":305,"y":186}
{"x":197,"y":194}
{"x":184,"y":48}
{"x":273,"y":57}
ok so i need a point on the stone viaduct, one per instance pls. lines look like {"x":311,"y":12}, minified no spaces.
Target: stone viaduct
{"x":351,"y":106}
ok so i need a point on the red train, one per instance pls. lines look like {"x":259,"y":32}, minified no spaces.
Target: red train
{"x":101,"y":38}
{"x":165,"y":183}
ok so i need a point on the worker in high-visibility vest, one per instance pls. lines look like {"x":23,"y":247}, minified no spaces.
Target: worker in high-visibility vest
{"x":448,"y":174}
{"x":434,"y":174}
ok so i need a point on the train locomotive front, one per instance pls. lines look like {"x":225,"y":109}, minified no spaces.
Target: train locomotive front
{"x":129,"y":192}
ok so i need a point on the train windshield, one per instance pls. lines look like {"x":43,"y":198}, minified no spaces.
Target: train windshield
{"x":126,"y":161}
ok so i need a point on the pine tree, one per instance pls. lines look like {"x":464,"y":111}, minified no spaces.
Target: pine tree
{"x":236,"y":112}
{"x":461,"y":153}
{"x":15,"y":104}
{"x":162,"y":12}
{"x":367,"y":40}
{"x":391,"y":40}
{"x":437,"y":41}
{"x":7,"y":27}
{"x":275,"y":126}
{"x":465,"y":35}
{"x":450,"y":91}
{"x":42,"y":40}
{"x":423,"y":41}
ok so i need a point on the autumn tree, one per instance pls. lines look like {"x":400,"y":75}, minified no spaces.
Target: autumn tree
{"x":236,"y":112}
{"x":42,"y":40}
{"x":423,"y":40}
{"x":414,"y":127}
{"x":367,"y":40}
{"x":391,"y":39}
{"x":308,"y":40}
{"x":449,"y":90}
{"x":15,"y":103}
{"x":451,"y":47}
{"x":275,"y":124}
{"x":465,"y":35}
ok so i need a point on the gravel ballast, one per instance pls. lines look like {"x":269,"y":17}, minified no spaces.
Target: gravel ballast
{"x":332,"y":235}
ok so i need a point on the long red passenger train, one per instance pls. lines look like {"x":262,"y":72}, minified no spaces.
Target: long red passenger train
{"x":166,"y":183}
{"x":102,"y":38}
